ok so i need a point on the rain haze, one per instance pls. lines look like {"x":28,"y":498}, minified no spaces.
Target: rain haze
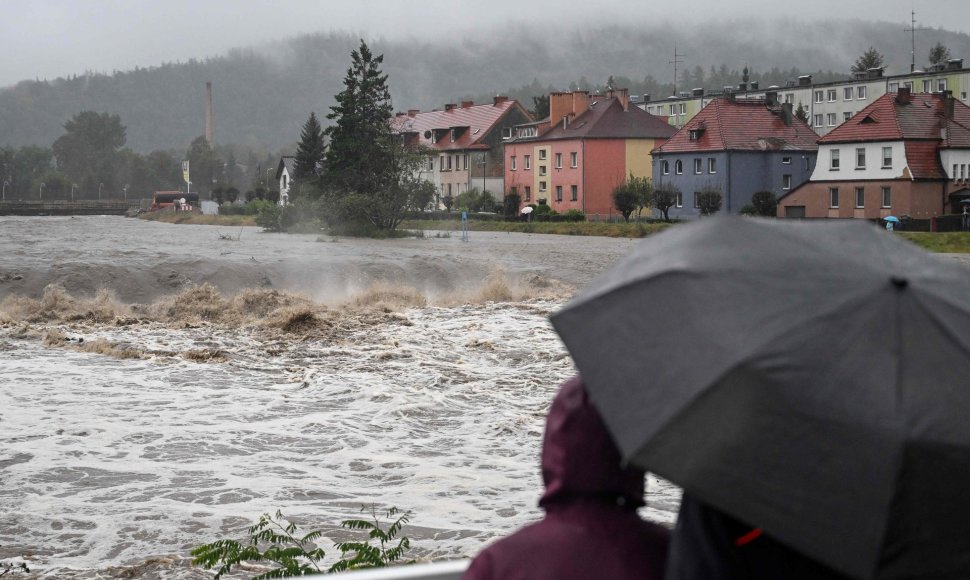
{"x":57,"y":38}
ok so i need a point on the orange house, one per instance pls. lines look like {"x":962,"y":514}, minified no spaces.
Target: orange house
{"x":587,"y":146}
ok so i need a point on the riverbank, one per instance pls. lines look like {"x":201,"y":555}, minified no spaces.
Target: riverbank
{"x":938,"y":242}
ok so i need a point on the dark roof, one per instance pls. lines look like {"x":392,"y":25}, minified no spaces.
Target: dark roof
{"x":606,"y":119}
{"x":473,"y":122}
{"x":287,"y":161}
{"x":746,"y":125}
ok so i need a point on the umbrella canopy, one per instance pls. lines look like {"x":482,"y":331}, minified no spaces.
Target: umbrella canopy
{"x":812,"y":379}
{"x":891,"y":218}
{"x":527,"y":209}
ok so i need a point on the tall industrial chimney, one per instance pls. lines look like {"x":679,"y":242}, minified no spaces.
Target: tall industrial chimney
{"x":208,"y":113}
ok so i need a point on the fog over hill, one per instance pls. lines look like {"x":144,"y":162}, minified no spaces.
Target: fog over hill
{"x":263,"y":94}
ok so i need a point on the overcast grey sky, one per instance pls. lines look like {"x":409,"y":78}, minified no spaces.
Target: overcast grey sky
{"x":51,"y":38}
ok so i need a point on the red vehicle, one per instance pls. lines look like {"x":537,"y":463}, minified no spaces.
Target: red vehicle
{"x":179,"y":200}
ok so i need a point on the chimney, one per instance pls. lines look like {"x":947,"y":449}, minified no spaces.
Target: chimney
{"x":580,"y":102}
{"x":467,"y":104}
{"x":754,"y":85}
{"x":771,"y":98}
{"x":208,"y":113}
{"x":948,"y":105}
{"x":646,"y":97}
{"x":742,"y":87}
{"x":499,"y":99}
{"x":624,"y":97}
{"x":786,"y":114}
{"x":413,"y":112}
{"x":450,"y":107}
{"x":698,"y":92}
{"x":804,"y":80}
{"x":903,"y":96}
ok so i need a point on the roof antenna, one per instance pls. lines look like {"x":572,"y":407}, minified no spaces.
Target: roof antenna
{"x":912,"y":29}
{"x":675,"y":62}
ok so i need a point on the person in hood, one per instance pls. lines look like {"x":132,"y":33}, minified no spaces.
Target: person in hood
{"x":591,"y":528}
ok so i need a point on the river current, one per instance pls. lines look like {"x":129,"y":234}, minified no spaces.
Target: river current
{"x":163,"y":386}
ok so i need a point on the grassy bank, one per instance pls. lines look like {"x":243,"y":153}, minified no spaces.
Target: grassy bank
{"x":198,"y":219}
{"x":946,"y":242}
{"x":620,"y":230}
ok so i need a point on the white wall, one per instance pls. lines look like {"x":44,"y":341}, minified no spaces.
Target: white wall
{"x":960,"y":157}
{"x":847,"y":162}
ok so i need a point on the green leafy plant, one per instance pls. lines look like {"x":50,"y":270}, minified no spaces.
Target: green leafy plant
{"x":297,"y":555}
{"x":365,"y":555}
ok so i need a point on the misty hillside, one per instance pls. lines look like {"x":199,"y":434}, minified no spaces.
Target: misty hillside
{"x":262,"y":95}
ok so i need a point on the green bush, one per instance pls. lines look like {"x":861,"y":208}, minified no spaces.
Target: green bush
{"x":296,"y":555}
{"x":251,"y":208}
{"x":574,"y":215}
{"x":765,"y":203}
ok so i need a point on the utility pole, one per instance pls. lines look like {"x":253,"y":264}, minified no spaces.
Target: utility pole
{"x":675,"y":62}
{"x":912,"y":30}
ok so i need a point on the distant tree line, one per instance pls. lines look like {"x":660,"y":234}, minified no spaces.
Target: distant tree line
{"x":90,"y":161}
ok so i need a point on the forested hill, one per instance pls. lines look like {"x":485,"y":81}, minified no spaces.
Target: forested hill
{"x":263,"y":95}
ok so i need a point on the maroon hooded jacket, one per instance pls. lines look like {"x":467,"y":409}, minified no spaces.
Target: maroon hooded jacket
{"x":591,"y":528}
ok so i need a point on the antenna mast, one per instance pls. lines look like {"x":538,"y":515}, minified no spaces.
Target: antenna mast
{"x":675,"y":62}
{"x":912,"y":29}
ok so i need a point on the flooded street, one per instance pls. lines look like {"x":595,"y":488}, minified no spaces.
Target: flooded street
{"x":312,"y":376}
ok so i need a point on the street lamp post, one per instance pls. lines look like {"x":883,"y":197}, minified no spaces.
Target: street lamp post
{"x":125,"y":189}
{"x":42,"y":184}
{"x":73,"y":187}
{"x":100,"y":187}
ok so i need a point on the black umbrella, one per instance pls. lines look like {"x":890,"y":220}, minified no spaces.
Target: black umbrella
{"x":812,"y":379}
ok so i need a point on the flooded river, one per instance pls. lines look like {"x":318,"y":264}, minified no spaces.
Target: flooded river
{"x":162,"y":386}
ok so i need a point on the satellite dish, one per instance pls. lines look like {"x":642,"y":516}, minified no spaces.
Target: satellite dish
{"x":427,"y":134}
{"x":182,"y":201}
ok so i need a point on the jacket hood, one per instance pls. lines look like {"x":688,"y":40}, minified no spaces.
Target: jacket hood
{"x":579,"y":458}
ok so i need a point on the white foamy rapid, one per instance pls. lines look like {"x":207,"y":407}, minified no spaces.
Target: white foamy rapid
{"x":108,"y":462}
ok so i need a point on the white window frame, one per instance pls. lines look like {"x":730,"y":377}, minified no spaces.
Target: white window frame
{"x":786,"y":181}
{"x":893,"y":87}
{"x":846,"y":116}
{"x":573,"y":159}
{"x":679,"y":167}
{"x":835,"y":163}
{"x":832,"y":119}
{"x":558,"y":160}
{"x":712,"y":165}
{"x":664,"y":167}
{"x":527,"y":162}
{"x":819,"y":96}
{"x":940,"y":85}
{"x":542,"y":186}
{"x":887,"y":157}
{"x":786,"y":160}
{"x":698,"y":166}
{"x":887,"y":196}
{"x":927,"y":85}
{"x":542,"y":171}
{"x":559,"y":193}
{"x":833,"y":95}
{"x":860,"y":192}
{"x":860,"y":158}
{"x":542,"y":154}
{"x":573,"y":193}
{"x":679,"y":199}
{"x":512,"y":162}
{"x":833,"y":198}
{"x":846,"y":93}
{"x":860,"y":93}
{"x":819,"y":120}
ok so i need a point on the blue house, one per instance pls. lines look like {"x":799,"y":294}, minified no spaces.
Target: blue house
{"x":737,"y":147}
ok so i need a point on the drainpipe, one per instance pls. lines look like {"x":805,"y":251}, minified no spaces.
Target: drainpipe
{"x":728,"y":169}
{"x":582,"y":148}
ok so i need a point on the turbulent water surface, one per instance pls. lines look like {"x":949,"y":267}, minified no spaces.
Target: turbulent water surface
{"x":162,"y":386}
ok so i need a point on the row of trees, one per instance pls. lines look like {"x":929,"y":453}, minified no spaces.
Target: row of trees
{"x":639,"y":193}
{"x":90,"y":161}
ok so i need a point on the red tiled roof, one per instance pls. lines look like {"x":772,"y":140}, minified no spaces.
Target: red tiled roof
{"x":606,"y":119}
{"x":474,"y":123}
{"x":748,"y":125}
{"x":922,"y":125}
{"x":886,"y":119}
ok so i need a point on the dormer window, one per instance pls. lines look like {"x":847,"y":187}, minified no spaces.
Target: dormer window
{"x":453,"y":135}
{"x":694,"y":134}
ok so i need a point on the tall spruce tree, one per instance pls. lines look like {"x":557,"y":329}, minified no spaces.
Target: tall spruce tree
{"x":367,"y":169}
{"x":871,"y":58}
{"x":309,"y":153}
{"x":361,"y":157}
